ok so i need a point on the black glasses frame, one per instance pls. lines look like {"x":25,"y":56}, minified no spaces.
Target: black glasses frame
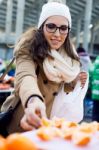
{"x":55,"y":27}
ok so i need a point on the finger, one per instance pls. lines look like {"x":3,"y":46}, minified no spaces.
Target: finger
{"x":34,"y":121}
{"x":38,"y":113}
{"x":83,"y":78}
{"x":82,"y":85}
{"x":33,"y":118}
{"x":83,"y":81}
{"x":24,"y":124}
{"x":43,"y":113}
{"x":83,"y":75}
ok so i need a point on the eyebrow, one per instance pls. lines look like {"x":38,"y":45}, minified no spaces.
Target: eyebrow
{"x":56,"y":24}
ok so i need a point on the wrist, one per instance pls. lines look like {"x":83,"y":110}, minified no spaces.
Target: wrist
{"x":33,"y":98}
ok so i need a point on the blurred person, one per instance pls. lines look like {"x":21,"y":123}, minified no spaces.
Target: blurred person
{"x":84,"y":58}
{"x":2,"y":66}
{"x":45,"y":60}
{"x":85,"y":66}
{"x":95,"y":89}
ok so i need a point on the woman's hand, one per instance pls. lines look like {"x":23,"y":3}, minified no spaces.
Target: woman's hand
{"x":82,"y":77}
{"x":33,"y":113}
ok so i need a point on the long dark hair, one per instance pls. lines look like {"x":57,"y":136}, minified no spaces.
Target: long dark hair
{"x":39,"y":47}
{"x":34,"y":41}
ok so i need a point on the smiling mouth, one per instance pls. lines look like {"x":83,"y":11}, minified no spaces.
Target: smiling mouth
{"x":55,"y":42}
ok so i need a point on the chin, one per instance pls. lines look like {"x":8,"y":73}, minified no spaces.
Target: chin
{"x":55,"y":47}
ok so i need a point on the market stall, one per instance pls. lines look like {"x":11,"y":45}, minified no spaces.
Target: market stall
{"x":55,"y":134}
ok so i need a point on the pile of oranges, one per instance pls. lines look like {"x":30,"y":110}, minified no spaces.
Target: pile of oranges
{"x":79,"y":134}
{"x":16,"y":142}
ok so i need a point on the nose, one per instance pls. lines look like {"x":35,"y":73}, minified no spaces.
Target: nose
{"x":57,"y":32}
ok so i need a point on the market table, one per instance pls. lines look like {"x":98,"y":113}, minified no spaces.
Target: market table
{"x":60,"y":144}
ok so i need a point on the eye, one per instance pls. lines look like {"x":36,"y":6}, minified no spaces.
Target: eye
{"x":64,"y":27}
{"x":51,"y":25}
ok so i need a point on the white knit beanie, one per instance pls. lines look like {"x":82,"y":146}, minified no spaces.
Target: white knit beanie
{"x":54,"y":8}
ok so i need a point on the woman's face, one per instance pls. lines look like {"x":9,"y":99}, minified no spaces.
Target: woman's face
{"x":55,"y":31}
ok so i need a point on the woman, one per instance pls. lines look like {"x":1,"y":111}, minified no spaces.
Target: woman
{"x":45,"y":60}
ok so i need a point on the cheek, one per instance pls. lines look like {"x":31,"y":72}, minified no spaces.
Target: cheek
{"x":46,"y":34}
{"x":64,"y":38}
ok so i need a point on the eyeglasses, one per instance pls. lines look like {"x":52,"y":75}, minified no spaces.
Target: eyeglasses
{"x":51,"y":28}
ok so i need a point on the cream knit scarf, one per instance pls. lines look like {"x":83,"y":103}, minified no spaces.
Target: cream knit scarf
{"x":61,"y":68}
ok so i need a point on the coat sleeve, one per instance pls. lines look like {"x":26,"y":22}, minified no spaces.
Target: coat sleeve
{"x":25,"y":78}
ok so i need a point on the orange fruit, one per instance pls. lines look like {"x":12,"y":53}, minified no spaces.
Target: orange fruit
{"x":48,"y":133}
{"x":17,"y":141}
{"x":45,"y":122}
{"x":2,"y":143}
{"x":80,"y":138}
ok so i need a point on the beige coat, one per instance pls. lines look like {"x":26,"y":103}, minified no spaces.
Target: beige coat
{"x":26,"y":84}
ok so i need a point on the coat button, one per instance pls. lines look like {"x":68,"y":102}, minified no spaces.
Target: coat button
{"x":45,"y":81}
{"x":55,"y":93}
{"x":44,"y":96}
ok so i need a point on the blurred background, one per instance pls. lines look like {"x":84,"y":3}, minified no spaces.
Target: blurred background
{"x":16,"y":16}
